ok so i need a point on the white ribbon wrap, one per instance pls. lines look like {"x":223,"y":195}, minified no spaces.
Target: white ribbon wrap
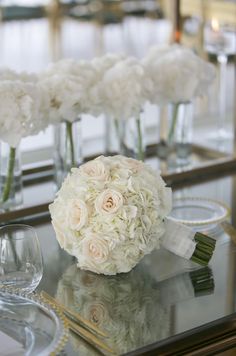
{"x":178,"y":239}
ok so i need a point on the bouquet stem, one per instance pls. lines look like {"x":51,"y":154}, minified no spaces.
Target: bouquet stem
{"x":202,"y":281}
{"x":10,"y":171}
{"x":173,"y":123}
{"x":140,"y":155}
{"x":71,"y":143}
{"x":204,"y":249}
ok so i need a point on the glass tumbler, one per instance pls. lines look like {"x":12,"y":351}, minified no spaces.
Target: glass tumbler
{"x":21,"y":265}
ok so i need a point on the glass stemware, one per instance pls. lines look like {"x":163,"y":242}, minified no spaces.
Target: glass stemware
{"x":21,"y":265}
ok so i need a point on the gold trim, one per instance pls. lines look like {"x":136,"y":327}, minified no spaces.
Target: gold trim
{"x":34,"y":297}
{"x":70,"y":314}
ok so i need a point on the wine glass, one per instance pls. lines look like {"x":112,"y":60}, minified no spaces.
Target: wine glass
{"x":21,"y":265}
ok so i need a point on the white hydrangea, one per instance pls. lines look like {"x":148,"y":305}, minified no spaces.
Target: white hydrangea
{"x":175,"y":74}
{"x":9,"y":74}
{"x":109,"y":213}
{"x":67,"y":84}
{"x":121,"y":89}
{"x":21,"y":110}
{"x":101,"y":65}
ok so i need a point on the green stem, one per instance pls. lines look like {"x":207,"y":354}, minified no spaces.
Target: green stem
{"x":116,"y":122}
{"x":9,"y":178}
{"x":119,"y":133}
{"x":204,"y":249}
{"x":202,"y":281}
{"x":140,"y":155}
{"x":69,"y":135}
{"x":173,"y":123}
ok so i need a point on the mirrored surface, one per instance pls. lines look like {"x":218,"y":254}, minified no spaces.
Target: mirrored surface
{"x":162,"y":297}
{"x":28,"y":326}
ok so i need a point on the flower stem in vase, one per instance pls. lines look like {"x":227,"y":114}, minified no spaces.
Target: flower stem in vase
{"x":173,"y":123}
{"x":10,"y":171}
{"x":140,"y":153}
{"x":69,"y":136}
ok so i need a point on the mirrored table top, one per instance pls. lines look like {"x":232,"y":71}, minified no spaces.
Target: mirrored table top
{"x":163,"y":300}
{"x":164,"y":297}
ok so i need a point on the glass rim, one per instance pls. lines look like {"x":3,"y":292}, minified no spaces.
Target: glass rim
{"x":15,"y":228}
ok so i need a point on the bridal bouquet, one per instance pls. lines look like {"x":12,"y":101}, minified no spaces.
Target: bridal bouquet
{"x":111,"y":212}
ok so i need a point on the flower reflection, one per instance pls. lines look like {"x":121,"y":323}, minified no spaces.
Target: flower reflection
{"x":133,"y":309}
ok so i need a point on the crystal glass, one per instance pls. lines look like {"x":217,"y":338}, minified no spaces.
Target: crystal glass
{"x":21,"y":265}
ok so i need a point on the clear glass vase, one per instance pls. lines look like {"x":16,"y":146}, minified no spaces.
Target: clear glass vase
{"x":175,"y":142}
{"x":125,"y":137}
{"x":114,"y":130}
{"x":10,"y":177}
{"x":68,"y":148}
{"x":133,"y":138}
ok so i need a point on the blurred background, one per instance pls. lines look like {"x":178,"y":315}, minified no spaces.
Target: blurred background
{"x":34,"y":33}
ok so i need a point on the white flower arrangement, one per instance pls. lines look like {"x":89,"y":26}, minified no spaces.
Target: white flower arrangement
{"x":175,"y":74}
{"x":22,"y":113}
{"x":67,"y":83}
{"x":121,"y":89}
{"x":20,"y":110}
{"x":113,"y":84}
{"x":109,"y":213}
{"x":112,"y":211}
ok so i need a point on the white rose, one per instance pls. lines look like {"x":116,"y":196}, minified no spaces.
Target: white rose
{"x":95,"y":170}
{"x":109,"y":201}
{"x":77,"y":214}
{"x":95,"y":249}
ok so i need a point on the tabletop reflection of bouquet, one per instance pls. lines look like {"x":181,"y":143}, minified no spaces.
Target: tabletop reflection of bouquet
{"x":133,"y":309}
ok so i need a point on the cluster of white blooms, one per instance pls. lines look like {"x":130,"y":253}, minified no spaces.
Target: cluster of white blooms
{"x":113,"y":84}
{"x":175,"y":74}
{"x":67,"y":84}
{"x":20,"y":110}
{"x":128,"y":308}
{"x":109,"y":213}
{"x":24,"y":106}
{"x":121,"y":89}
